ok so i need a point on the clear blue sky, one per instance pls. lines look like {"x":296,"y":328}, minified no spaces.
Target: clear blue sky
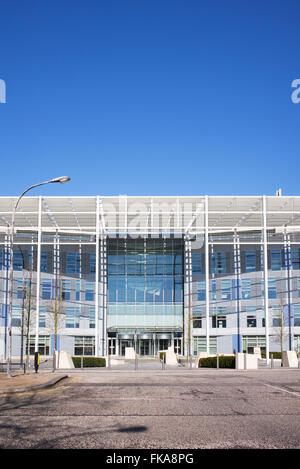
{"x":150,"y":97}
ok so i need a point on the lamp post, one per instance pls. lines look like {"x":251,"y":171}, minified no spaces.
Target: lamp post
{"x":61,"y":180}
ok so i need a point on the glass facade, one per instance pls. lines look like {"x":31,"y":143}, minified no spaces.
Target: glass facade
{"x":145,"y":283}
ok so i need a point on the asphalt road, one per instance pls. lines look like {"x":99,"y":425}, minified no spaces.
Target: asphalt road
{"x":184,"y":409}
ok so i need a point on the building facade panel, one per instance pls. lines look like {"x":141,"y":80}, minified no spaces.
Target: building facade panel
{"x":104,"y":273}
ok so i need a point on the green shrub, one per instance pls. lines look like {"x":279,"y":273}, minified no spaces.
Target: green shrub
{"x":211,"y":362}
{"x":89,"y":362}
{"x":275,"y":354}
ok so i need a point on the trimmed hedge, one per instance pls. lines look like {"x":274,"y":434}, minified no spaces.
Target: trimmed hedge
{"x":211,"y":362}
{"x":89,"y":362}
{"x":275,"y":354}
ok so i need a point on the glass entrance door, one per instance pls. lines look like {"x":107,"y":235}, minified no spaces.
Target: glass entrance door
{"x":177,"y":346}
{"x":112,"y":346}
{"x":163,"y":344}
{"x":145,"y":347}
{"x":125,"y":343}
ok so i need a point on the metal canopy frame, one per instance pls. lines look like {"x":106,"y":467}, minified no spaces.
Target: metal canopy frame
{"x":150,"y":215}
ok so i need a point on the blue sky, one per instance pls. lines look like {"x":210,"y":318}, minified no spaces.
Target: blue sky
{"x":150,"y":97}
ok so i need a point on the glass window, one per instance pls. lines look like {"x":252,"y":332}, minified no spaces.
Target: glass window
{"x":272,"y":288}
{"x":77,"y":291}
{"x":178,"y":298}
{"x":200,"y":345}
{"x":297,"y":315}
{"x":218,"y":262}
{"x":121,"y":289}
{"x":139,"y":290}
{"x":218,"y":317}
{"x":201,"y":290}
{"x":250,"y":261}
{"x":43,"y":345}
{"x":44,"y":261}
{"x":197,"y":317}
{"x":219,"y":322}
{"x":251,"y":316}
{"x":112,"y":289}
{"x":276,"y":317}
{"x":66,"y":289}
{"x":92,"y":322}
{"x":295,"y":258}
{"x":246,"y":288}
{"x":89,"y":291}
{"x":275,"y":259}
{"x":20,"y":290}
{"x":46,"y":289}
{"x":213,"y":290}
{"x":84,"y":345}
{"x":30,"y":259}
{"x":196,"y":264}
{"x":42,"y":316}
{"x":226,"y":289}
{"x":251,"y":321}
{"x":72,"y":317}
{"x":73,"y":263}
{"x":92,"y":263}
{"x":16,"y":316}
{"x":18,"y":259}
{"x":197,"y":323}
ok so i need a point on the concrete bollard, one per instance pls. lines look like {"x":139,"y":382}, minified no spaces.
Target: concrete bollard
{"x":218,"y":363}
{"x":272,"y":360}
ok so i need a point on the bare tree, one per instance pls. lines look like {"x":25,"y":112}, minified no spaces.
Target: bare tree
{"x":56,"y":314}
{"x":280,"y":332}
{"x":28,"y":307}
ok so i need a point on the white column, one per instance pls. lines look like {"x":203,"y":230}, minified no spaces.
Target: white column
{"x":38,"y":276}
{"x":266,"y":279}
{"x":104,"y":296}
{"x":6,"y":260}
{"x":237,"y":271}
{"x":190,"y":292}
{"x":187,"y":297}
{"x":97,"y":280}
{"x":206,"y":274}
{"x":287,"y":253}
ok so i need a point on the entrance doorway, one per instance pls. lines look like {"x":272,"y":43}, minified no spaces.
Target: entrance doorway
{"x":177,"y":346}
{"x":163,"y":344}
{"x":145,"y":347}
{"x":112,"y":350}
{"x":125,"y":343}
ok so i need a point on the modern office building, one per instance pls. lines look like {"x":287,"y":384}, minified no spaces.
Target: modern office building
{"x":201,"y":273}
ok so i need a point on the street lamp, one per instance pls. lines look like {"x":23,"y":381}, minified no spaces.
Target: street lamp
{"x":61,"y":180}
